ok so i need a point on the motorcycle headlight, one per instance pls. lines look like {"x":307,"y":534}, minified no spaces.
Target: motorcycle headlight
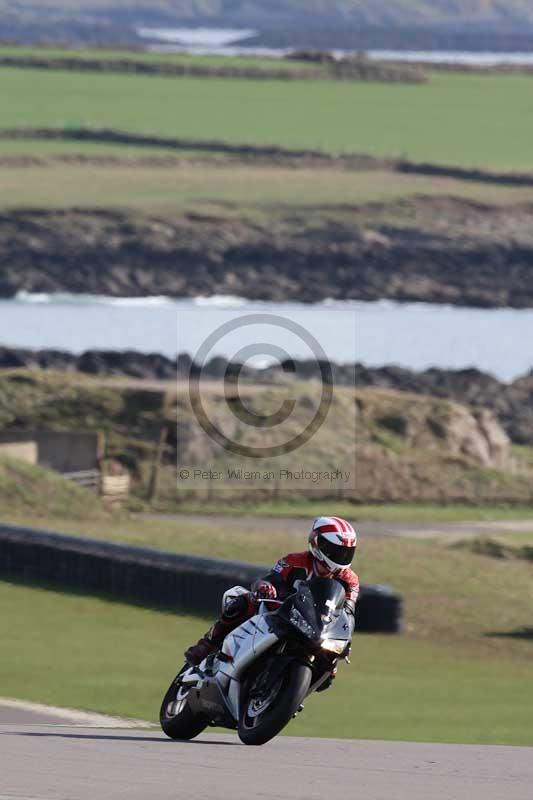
{"x":300,"y":622}
{"x":336,"y":646}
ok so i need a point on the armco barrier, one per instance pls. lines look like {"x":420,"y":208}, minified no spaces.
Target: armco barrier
{"x":152,"y":577}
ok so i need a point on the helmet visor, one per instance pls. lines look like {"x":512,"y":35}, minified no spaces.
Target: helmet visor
{"x":338,"y":553}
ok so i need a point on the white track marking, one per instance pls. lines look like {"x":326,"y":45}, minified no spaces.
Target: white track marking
{"x":74,"y":717}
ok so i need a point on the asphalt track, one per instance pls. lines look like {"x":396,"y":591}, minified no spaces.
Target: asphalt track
{"x":449,"y":531}
{"x":64,"y":762}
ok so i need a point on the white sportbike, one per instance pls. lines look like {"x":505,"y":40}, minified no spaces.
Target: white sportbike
{"x":266,"y":668}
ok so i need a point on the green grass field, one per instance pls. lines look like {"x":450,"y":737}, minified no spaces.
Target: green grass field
{"x":446,"y":679}
{"x":229,"y":188}
{"x":454,"y":119}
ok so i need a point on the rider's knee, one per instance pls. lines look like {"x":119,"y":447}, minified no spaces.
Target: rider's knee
{"x":235,"y":603}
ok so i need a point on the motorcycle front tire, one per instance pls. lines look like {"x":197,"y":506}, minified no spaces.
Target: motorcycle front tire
{"x":186,"y":724}
{"x":260,"y":729}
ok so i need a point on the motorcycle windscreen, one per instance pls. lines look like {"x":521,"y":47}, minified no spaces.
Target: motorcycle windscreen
{"x":328,"y":594}
{"x":320,"y":601}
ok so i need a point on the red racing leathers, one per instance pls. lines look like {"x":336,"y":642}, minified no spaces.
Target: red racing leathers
{"x":302,"y":566}
{"x":288,"y":570}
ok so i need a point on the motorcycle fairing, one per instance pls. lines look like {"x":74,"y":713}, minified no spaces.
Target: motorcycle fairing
{"x":240,"y":648}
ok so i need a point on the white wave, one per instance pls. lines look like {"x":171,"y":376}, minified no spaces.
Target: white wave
{"x":67,"y":298}
{"x":331,"y":302}
{"x":201,"y":37}
{"x":221,"y":301}
{"x":153,"y":301}
{"x":28,"y":297}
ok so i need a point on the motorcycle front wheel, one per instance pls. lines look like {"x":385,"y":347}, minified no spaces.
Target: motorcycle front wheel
{"x":266,"y":712}
{"x":176,"y":717}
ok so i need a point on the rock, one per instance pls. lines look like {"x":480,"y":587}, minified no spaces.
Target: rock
{"x":420,"y":448}
{"x":498,"y":442}
{"x":511,"y":403}
{"x":426,"y":423}
{"x":455,"y":251}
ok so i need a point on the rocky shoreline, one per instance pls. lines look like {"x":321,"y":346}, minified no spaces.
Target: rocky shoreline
{"x":426,"y":249}
{"x":512,"y":403}
{"x":154,"y":366}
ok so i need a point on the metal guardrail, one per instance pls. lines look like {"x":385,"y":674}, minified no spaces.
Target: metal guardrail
{"x":153,"y":577}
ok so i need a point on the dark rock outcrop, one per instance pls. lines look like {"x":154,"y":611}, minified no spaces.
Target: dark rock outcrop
{"x":440,"y":250}
{"x":512,"y":403}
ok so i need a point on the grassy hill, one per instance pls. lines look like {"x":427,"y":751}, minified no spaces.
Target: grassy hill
{"x":38,"y":493}
{"x":410,"y":448}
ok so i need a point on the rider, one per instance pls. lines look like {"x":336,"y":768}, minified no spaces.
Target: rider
{"x":332,"y":544}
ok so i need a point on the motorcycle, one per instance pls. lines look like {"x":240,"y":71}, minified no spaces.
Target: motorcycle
{"x":266,"y":667}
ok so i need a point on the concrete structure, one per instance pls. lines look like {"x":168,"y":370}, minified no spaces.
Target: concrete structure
{"x":23,"y":451}
{"x":77,"y":455}
{"x":62,"y":451}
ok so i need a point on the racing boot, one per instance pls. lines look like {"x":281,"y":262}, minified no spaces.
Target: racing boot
{"x":209,"y":643}
{"x":236,"y":611}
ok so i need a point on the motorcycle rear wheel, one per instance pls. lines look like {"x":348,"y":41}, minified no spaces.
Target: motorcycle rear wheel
{"x":176,"y":717}
{"x":259,"y":723}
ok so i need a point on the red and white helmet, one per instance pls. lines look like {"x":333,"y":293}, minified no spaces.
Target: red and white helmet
{"x":332,"y":541}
